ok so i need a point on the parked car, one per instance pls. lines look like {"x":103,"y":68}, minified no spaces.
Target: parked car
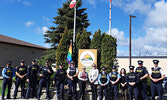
{"x":164,"y":85}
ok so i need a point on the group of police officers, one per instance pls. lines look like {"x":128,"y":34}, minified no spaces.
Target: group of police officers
{"x":136,"y":80}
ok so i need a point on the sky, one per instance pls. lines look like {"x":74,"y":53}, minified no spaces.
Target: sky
{"x":28,"y":20}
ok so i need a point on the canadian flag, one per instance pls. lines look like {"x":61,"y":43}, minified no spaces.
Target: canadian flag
{"x":72,"y":3}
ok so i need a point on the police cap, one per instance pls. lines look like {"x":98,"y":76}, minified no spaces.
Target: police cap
{"x":140,"y":62}
{"x":60,"y":64}
{"x":47,"y":61}
{"x":113,"y":67}
{"x":34,"y":60}
{"x":22,"y":61}
{"x":131,"y":67}
{"x":72,"y":62}
{"x":9,"y":62}
{"x":103,"y":68}
{"x":155,"y":61}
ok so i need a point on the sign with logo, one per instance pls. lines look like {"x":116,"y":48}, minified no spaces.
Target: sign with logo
{"x":86,"y":58}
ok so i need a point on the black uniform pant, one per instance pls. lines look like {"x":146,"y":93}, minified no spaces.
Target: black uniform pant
{"x":114,"y":92}
{"x":72,"y":84}
{"x":105,"y":88}
{"x":156,"y":88}
{"x":60,"y":89}
{"x":22,"y":83}
{"x":42,"y":82}
{"x":143,"y":91}
{"x":32,"y":87}
{"x":82,"y":86}
{"x":94,"y":91}
{"x":5,"y":83}
{"x":133,"y":90}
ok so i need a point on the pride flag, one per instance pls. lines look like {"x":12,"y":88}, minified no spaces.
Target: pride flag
{"x":69,"y":56}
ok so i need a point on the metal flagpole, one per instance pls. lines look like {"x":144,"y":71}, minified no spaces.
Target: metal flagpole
{"x":110,"y":20}
{"x":74,"y":31}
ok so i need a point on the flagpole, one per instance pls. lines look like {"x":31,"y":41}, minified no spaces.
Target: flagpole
{"x":110,"y":19}
{"x":74,"y":31}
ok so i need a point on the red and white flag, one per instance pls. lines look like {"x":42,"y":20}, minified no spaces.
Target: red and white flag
{"x":72,"y":3}
{"x":110,"y":0}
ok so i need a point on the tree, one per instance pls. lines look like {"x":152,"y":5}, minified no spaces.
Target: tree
{"x":108,"y":51}
{"x":84,"y":40}
{"x":66,"y":18}
{"x":62,"y":49}
{"x":96,"y":44}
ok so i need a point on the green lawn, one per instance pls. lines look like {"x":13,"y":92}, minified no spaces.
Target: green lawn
{"x":1,"y":87}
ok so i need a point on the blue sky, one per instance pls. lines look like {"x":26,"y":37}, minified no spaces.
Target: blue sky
{"x":28,"y":20}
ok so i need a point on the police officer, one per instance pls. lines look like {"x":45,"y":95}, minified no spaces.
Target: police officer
{"x":142,"y":72}
{"x":59,"y":79}
{"x":8,"y":73}
{"x":156,"y":75}
{"x":45,"y":73}
{"x":32,"y":76}
{"x":103,"y":80}
{"x":72,"y":73}
{"x":21,"y":72}
{"x":114,"y":79}
{"x":132,"y":81}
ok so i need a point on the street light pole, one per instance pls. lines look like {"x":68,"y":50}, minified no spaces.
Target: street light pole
{"x":130,"y":16}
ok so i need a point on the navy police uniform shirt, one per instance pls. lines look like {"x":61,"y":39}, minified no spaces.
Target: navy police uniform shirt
{"x":22,"y":70}
{"x":60,"y":75}
{"x":32,"y":71}
{"x":141,"y":71}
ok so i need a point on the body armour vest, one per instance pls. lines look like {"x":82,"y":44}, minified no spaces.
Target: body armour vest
{"x":72,"y":71}
{"x":113,"y":76}
{"x":103,"y":78}
{"x":34,"y":70}
{"x":132,"y":77}
{"x":9,"y":72}
{"x":140,"y":71}
{"x":156,"y":73}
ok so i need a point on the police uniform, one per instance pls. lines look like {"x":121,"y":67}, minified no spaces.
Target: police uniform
{"x":21,"y":70}
{"x":156,"y":73}
{"x":59,"y":77}
{"x":142,"y":71}
{"x":114,"y":75}
{"x":71,"y":71}
{"x":8,"y":73}
{"x":103,"y":79}
{"x":45,"y":79}
{"x":32,"y":76}
{"x":133,"y":78}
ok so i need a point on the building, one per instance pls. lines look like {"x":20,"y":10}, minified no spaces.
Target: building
{"x":15,"y":50}
{"x":123,"y":62}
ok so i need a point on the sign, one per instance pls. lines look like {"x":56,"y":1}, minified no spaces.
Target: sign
{"x":86,"y":58}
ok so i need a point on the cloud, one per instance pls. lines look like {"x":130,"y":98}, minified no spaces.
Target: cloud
{"x":29,"y":23}
{"x":26,"y":3}
{"x":42,"y":30}
{"x":92,"y":2}
{"x":154,"y":42}
{"x":131,"y":6}
{"x":47,"y":45}
{"x":121,"y":40}
{"x":157,"y":16}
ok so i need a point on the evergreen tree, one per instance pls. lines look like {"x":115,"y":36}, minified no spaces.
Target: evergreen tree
{"x":108,"y":51}
{"x":96,"y":44}
{"x":63,"y":47}
{"x":66,"y":18}
{"x":84,"y":40}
